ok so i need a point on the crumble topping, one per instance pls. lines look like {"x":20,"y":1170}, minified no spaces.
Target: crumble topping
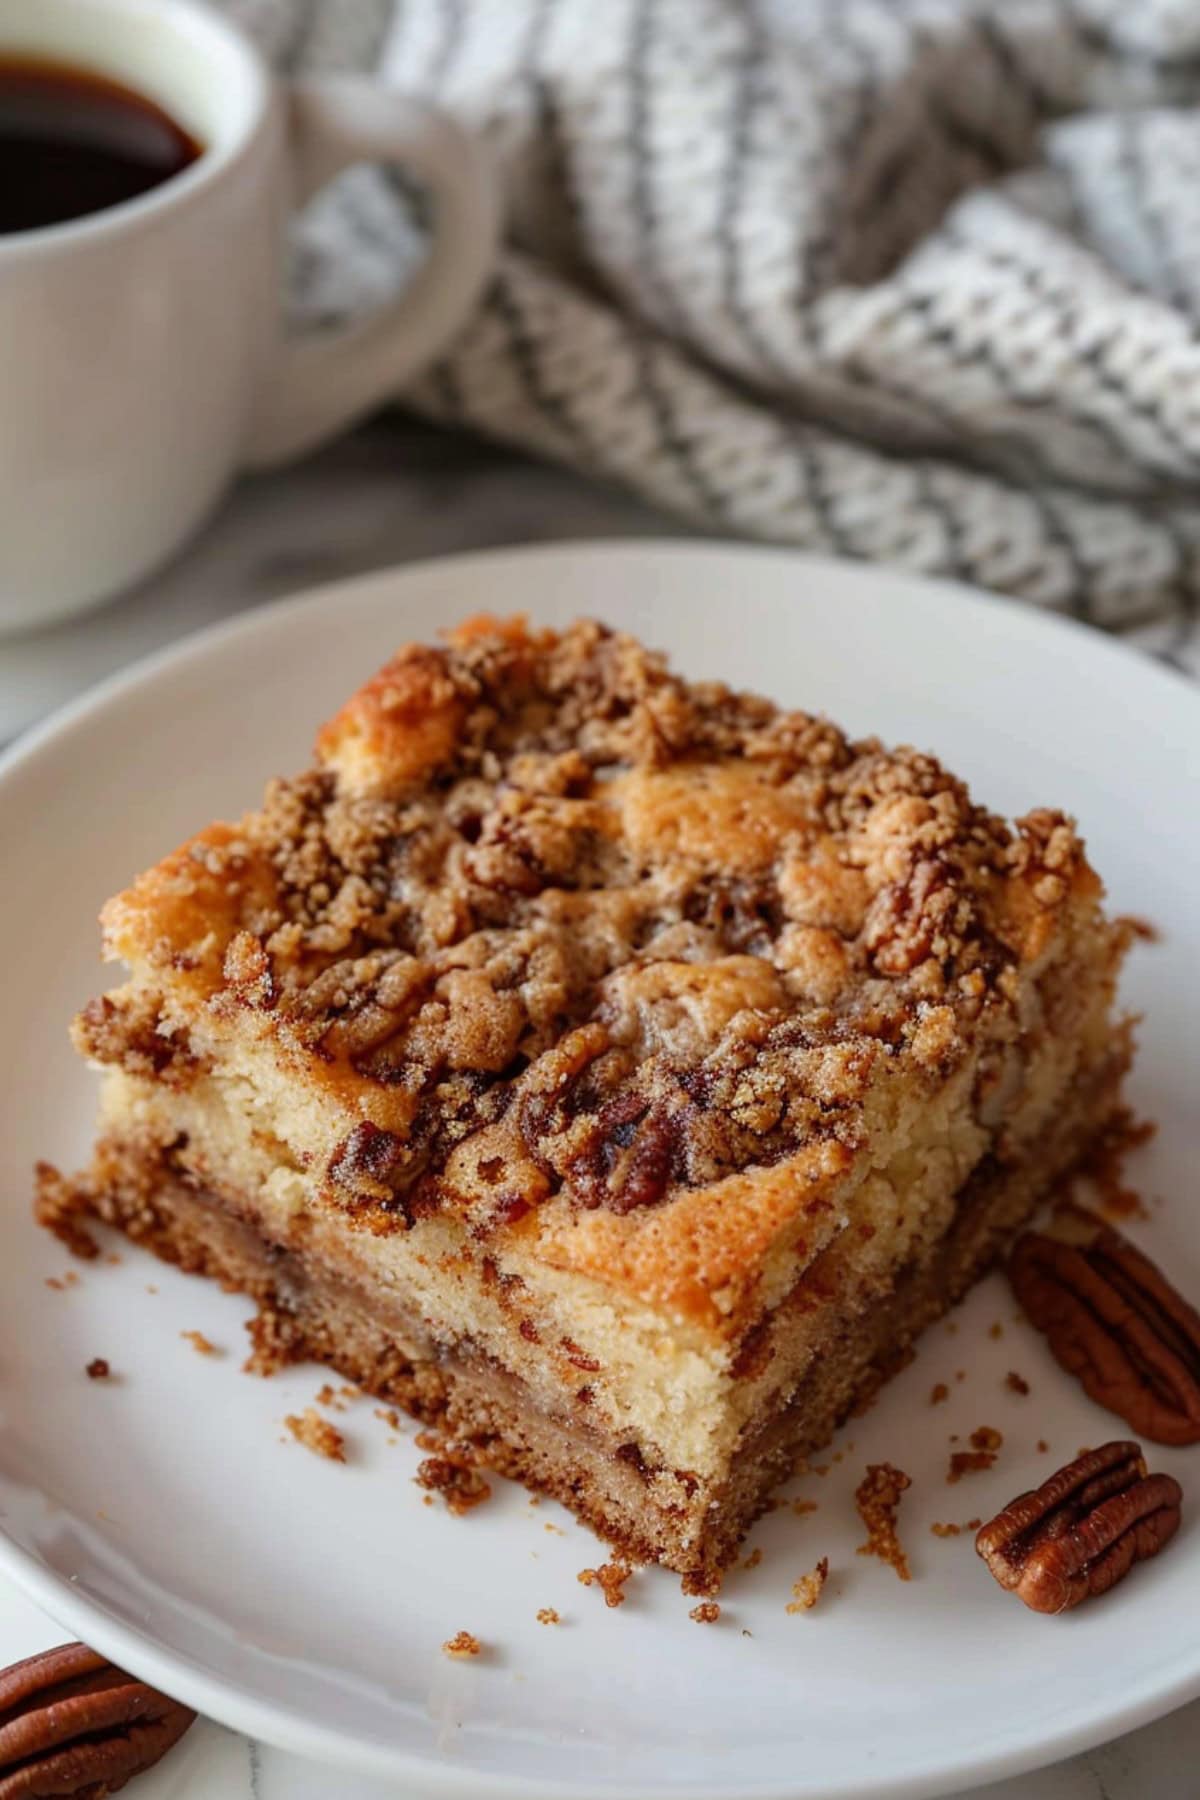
{"x":938,"y":1393}
{"x":98,"y":1369}
{"x":317,"y":1434}
{"x":546,"y":1615}
{"x":878,"y":1497}
{"x":807,"y":1590}
{"x":1016,"y":1383}
{"x":200,"y":1344}
{"x":642,"y":933}
{"x":462,"y":1645}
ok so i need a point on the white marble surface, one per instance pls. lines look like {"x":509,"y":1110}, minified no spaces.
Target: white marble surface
{"x":394,"y":493}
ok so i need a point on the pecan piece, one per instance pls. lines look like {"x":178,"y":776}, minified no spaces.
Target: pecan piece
{"x":1114,"y":1320}
{"x":71,"y":1723}
{"x":1082,"y":1530}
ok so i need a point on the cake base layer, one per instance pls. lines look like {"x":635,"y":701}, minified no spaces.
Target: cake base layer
{"x":306,"y":1311}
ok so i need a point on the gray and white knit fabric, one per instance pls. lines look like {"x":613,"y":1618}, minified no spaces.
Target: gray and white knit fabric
{"x":913,"y":280}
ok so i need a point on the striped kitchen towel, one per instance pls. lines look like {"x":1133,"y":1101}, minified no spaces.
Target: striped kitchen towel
{"x":913,"y":280}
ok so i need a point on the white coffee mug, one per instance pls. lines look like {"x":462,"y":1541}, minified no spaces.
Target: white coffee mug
{"x":143,"y":358}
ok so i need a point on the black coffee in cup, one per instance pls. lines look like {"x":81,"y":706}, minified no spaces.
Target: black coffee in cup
{"x":72,"y":142}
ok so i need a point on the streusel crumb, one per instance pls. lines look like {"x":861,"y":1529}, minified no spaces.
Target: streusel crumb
{"x":610,"y":1578}
{"x":462,"y":1645}
{"x":807,"y":1590}
{"x":317,"y":1434}
{"x":985,"y":1446}
{"x":878,"y":1498}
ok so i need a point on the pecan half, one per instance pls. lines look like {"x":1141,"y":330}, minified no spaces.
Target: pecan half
{"x":1082,"y":1530}
{"x":72,"y":1724}
{"x":1113,"y":1319}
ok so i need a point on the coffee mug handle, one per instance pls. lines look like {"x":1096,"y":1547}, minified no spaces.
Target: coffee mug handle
{"x":321,"y":384}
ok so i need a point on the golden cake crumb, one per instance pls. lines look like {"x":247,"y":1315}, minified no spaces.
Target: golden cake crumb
{"x":707,"y":1613}
{"x":807,"y":1590}
{"x":1043,"y":1446}
{"x":878,"y":1500}
{"x":390,"y":1417}
{"x":985,"y":1444}
{"x":938,"y":1393}
{"x":1016,"y":1383}
{"x":199,"y":1343}
{"x":753,"y":1560}
{"x":996,"y":1330}
{"x":546,"y":1615}
{"x":802,"y":1508}
{"x":317,"y":1434}
{"x":98,"y":1369}
{"x":462,"y":1645}
{"x":452,"y":1473}
{"x":610,"y":1578}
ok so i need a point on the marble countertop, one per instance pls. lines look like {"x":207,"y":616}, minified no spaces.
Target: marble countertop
{"x":396,"y":492}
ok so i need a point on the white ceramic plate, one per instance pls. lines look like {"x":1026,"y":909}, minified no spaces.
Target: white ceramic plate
{"x":160,"y":1516}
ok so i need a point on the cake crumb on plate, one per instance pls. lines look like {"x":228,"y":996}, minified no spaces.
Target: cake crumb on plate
{"x":462,"y":1645}
{"x":807,"y":1590}
{"x":610,"y":1578}
{"x":317,"y":1434}
{"x":985,"y":1445}
{"x":878,"y":1498}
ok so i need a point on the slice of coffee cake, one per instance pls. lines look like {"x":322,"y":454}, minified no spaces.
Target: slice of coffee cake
{"x":617,"y":1071}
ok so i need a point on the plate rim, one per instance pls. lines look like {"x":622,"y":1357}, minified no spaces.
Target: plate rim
{"x":215,"y":1696}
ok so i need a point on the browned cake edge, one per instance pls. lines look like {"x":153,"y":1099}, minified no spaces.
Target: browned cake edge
{"x":304,"y":1312}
